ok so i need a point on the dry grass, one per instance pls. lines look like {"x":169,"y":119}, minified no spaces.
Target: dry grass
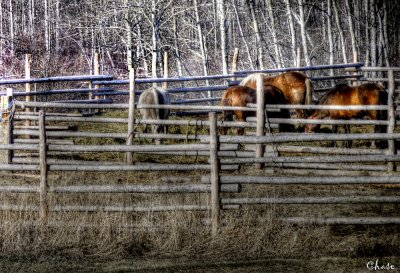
{"x":252,"y":231}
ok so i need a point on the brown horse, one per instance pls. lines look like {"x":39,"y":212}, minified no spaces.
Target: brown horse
{"x":242,"y":95}
{"x":296,"y":87}
{"x":365,"y":94}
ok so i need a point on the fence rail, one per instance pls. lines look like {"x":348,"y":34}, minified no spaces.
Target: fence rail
{"x":266,"y":150}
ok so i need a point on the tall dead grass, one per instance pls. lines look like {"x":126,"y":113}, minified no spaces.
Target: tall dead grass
{"x":251,"y":231}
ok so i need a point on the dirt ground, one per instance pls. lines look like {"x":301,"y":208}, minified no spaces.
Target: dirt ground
{"x":68,"y":264}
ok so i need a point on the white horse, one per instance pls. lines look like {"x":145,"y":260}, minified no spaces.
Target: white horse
{"x":155,"y":96}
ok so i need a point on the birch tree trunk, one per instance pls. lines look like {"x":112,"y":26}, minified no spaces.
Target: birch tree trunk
{"x":340,"y":30}
{"x":47,"y":25}
{"x":303,"y":33}
{"x":58,"y":27}
{"x":11,"y":21}
{"x":367,"y":37}
{"x":201,"y":39}
{"x":292,"y":32}
{"x":257,"y":33}
{"x":202,"y":44}
{"x":330,"y":38}
{"x":222,"y":30}
{"x":373,"y":33}
{"x":383,"y":42}
{"x":176,"y":46}
{"x":385,"y":34}
{"x":245,"y":43}
{"x":1,"y":28}
{"x":278,"y":58}
{"x":32,"y":18}
{"x":154,"y":49}
{"x":352,"y":32}
{"x":142,"y":51}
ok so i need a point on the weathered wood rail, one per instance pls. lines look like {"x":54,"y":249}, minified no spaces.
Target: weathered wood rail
{"x":378,"y":166}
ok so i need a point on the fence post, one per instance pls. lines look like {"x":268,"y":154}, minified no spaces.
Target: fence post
{"x":28,"y":61}
{"x":131,"y":113}
{"x":43,"y":170}
{"x":391,"y":119}
{"x":260,"y":118}
{"x":214,"y":162}
{"x":96,"y":68}
{"x":6,"y":126}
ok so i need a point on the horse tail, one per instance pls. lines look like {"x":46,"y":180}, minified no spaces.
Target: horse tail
{"x":309,"y":91}
{"x":383,"y":99}
{"x":165,"y":101}
{"x":226,"y":101}
{"x":156,"y":101}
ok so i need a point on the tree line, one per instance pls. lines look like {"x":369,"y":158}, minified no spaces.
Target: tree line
{"x":200,"y":36}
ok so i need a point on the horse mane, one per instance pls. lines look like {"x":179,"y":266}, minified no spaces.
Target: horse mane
{"x":251,"y":78}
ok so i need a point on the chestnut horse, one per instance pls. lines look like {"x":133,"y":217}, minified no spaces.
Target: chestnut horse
{"x":242,"y":95}
{"x":296,"y":87}
{"x":365,"y":94}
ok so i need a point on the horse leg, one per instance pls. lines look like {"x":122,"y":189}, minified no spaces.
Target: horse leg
{"x":241,"y":117}
{"x":380,"y":115}
{"x":157,"y":129}
{"x":334,"y":131}
{"x":226,"y":116}
{"x":347,"y":143}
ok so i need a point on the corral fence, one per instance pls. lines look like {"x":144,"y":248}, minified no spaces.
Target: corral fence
{"x":339,"y":165}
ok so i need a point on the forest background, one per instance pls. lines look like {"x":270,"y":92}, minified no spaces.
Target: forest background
{"x":200,"y":36}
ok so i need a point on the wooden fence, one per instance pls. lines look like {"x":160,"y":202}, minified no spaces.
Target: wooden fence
{"x":222,"y":158}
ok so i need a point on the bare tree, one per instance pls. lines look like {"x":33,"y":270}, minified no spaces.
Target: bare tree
{"x":303,"y":32}
{"x":340,"y":30}
{"x":202,"y":43}
{"x":241,"y":32}
{"x":259,"y":46}
{"x":222,"y":29}
{"x":292,"y":32}
{"x":273,"y":33}
{"x":352,"y":32}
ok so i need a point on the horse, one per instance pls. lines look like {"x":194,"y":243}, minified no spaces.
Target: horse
{"x":365,"y":94}
{"x":242,"y":95}
{"x":155,"y":96}
{"x":296,"y":87}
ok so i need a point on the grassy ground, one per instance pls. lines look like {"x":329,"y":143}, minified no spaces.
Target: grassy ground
{"x":146,"y":265}
{"x":180,"y":241}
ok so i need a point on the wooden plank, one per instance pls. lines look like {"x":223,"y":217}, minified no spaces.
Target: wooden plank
{"x":56,"y":79}
{"x":314,"y":159}
{"x":391,"y":120}
{"x":316,"y":180}
{"x":312,"y":200}
{"x":260,"y":130}
{"x":342,"y":220}
{"x":215,"y":185}
{"x":43,"y":188}
{"x":131,"y":114}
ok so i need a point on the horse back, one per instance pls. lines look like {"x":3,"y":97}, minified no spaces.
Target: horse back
{"x":365,"y":94}
{"x":292,"y":84}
